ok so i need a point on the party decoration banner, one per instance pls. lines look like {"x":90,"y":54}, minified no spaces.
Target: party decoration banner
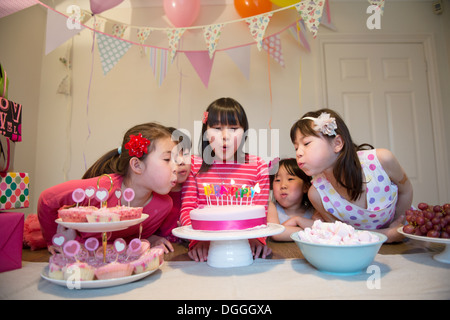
{"x":379,"y":4}
{"x":57,"y":31}
{"x":241,"y":57}
{"x":159,"y":61}
{"x":111,"y":51}
{"x":272,"y":45}
{"x":174,"y":36}
{"x":8,"y":7}
{"x":258,"y":26}
{"x":297,"y":31}
{"x":202,"y":64}
{"x":212,"y":34}
{"x":118,"y":30}
{"x":311,"y":12}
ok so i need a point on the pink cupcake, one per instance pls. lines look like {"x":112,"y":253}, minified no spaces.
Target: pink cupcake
{"x":102,"y":215}
{"x":75,"y":214}
{"x":55,"y":267}
{"x":128,"y":213}
{"x":78,"y":271}
{"x":114,"y":270}
{"x":149,"y":261}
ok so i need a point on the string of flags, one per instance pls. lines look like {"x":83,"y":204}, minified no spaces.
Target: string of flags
{"x":112,"y":45}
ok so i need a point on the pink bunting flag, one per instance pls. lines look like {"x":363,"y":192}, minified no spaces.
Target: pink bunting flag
{"x":272,"y":45}
{"x":8,"y":7}
{"x":202,"y":64}
{"x":258,"y":25}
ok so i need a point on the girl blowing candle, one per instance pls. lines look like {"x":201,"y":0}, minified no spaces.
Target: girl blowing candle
{"x":222,"y":160}
{"x":367,"y":189}
{"x":143,"y":163}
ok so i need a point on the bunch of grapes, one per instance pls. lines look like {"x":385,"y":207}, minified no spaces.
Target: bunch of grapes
{"x":430,"y":221}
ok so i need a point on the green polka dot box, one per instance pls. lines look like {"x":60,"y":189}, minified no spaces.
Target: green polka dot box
{"x":14,"y":190}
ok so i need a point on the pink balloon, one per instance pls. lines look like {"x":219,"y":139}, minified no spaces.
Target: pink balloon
{"x":98,"y":6}
{"x":182,"y":13}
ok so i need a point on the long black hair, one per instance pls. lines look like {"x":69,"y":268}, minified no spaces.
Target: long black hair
{"x":347,"y":170}
{"x":225,"y":111}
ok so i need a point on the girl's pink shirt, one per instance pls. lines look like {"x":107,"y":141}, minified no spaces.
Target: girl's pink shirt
{"x":57,"y":196}
{"x":249,"y":174}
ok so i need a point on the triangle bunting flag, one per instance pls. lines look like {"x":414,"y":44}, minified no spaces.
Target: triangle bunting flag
{"x":202,"y":64}
{"x":58,"y":30}
{"x":111,"y":51}
{"x":212,"y":34}
{"x":174,"y":36}
{"x":272,"y":45}
{"x":241,"y":57}
{"x":297,"y":32}
{"x":311,"y":12}
{"x":159,"y":61}
{"x":258,"y":25}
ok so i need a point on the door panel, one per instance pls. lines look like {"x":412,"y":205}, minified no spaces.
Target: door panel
{"x":381,"y":90}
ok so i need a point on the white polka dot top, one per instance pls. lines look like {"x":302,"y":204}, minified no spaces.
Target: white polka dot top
{"x":381,"y":196}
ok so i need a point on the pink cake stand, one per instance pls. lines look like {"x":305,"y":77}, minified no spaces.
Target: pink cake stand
{"x":228,"y":248}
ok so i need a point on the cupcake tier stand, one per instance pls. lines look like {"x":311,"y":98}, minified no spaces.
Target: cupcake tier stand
{"x":228,"y":248}
{"x":100,"y":227}
{"x":444,"y":256}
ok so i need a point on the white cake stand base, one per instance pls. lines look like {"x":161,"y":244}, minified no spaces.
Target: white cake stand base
{"x":228,"y":249}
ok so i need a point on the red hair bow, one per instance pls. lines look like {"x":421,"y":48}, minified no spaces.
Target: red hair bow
{"x":137,"y":145}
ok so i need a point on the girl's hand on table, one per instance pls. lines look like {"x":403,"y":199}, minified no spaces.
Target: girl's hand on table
{"x":157,"y":240}
{"x":199,"y":252}
{"x":259,"y":249}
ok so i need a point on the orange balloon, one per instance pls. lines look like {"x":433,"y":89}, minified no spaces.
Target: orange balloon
{"x":248,"y":8}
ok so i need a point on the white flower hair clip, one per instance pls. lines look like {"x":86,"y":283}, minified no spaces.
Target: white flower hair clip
{"x":324,"y":123}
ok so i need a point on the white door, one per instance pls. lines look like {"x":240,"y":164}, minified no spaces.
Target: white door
{"x":381,"y":90}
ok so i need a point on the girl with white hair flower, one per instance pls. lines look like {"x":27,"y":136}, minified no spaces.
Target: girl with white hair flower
{"x":367,"y":189}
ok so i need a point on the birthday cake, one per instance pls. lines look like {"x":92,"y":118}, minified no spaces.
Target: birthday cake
{"x":228,"y":218}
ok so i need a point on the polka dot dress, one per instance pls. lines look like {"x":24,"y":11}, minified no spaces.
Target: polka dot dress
{"x":380,"y":191}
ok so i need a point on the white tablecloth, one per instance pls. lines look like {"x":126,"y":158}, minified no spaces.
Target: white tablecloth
{"x":408,"y":276}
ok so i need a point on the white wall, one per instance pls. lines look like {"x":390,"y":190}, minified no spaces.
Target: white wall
{"x":129,"y":95}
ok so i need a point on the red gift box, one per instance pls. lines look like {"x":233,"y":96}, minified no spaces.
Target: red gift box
{"x":11,"y":240}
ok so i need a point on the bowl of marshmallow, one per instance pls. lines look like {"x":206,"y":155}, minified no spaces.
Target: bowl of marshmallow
{"x":338,"y":248}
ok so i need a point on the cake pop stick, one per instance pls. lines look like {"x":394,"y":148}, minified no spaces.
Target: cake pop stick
{"x":133,"y":247}
{"x":120,"y":245}
{"x":128,"y":195}
{"x":118,"y":194}
{"x":91,"y":245}
{"x":101,"y":194}
{"x":90,"y":193}
{"x":78,"y":195}
{"x":71,"y":248}
{"x":58,"y":241}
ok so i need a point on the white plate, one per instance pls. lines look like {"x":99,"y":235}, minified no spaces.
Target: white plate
{"x":101,"y":226}
{"x":423,"y":238}
{"x":444,"y":256}
{"x":187,"y":232}
{"x":93,"y":284}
